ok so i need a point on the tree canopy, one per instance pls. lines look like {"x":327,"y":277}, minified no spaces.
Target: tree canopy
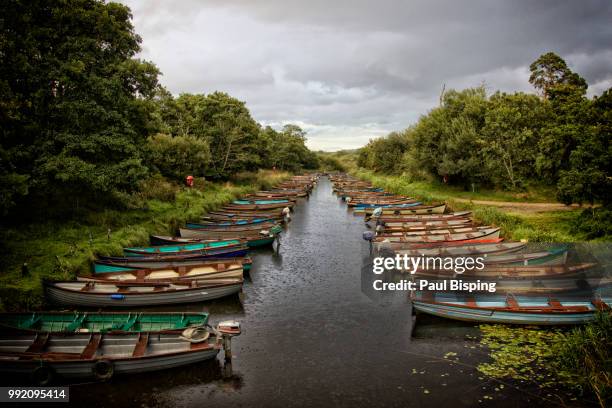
{"x":508,"y":140}
{"x":84,"y":120}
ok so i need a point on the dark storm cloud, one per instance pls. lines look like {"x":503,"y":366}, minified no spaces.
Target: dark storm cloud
{"x":350,"y":70}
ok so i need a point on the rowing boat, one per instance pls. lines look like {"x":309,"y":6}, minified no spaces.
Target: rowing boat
{"x":487,"y":233}
{"x":228,"y":268}
{"x":233,"y":228}
{"x":254,"y":241}
{"x":418,"y":210}
{"x":224,"y":249}
{"x":244,"y":205}
{"x":103,"y":263}
{"x":253,"y":238}
{"x":432,"y":231}
{"x":416,"y":225}
{"x":232,"y":222}
{"x":498,"y":271}
{"x":422,"y":217}
{"x":467,"y":249}
{"x":544,"y":310}
{"x":133,"y":294}
{"x":100,"y":322}
{"x":44,"y":356}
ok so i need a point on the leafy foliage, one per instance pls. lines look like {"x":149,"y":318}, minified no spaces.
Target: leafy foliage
{"x":507,"y":141}
{"x":179,"y":156}
{"x":74,"y":98}
{"x":84,"y":122}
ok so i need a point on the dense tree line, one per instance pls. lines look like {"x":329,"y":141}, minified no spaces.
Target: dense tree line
{"x":84,"y":120}
{"x":559,"y":137}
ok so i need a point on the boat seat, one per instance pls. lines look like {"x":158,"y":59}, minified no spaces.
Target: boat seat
{"x":554,"y":303}
{"x":141,"y":345}
{"x":511,"y":301}
{"x":471,"y":302}
{"x":92,"y":347}
{"x":39,"y":343}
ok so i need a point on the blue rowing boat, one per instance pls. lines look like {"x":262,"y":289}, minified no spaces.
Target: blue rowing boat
{"x":510,"y":309}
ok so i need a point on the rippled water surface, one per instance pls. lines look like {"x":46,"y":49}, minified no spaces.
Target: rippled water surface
{"x":314,"y":335}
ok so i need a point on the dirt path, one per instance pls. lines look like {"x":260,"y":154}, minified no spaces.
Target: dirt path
{"x":522,"y":206}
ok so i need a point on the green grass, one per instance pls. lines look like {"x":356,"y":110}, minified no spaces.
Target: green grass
{"x":552,"y":226}
{"x":437,"y":189}
{"x":60,"y":250}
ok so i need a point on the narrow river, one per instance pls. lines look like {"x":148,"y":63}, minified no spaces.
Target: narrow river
{"x":314,"y":335}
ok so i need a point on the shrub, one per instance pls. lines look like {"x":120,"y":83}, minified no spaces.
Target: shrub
{"x":179,"y":156}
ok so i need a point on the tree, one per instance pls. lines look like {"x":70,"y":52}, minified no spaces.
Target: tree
{"x":288,"y":149}
{"x":587,"y":178}
{"x":76,"y":102}
{"x":550,"y":71}
{"x":179,"y":156}
{"x":447,"y":141}
{"x":510,"y":133}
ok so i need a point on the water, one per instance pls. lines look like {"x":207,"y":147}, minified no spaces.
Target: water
{"x":314,"y":335}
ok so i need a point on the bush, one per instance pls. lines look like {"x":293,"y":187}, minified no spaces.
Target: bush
{"x":595,"y":223}
{"x":179,"y":156}
{"x":157,"y":188}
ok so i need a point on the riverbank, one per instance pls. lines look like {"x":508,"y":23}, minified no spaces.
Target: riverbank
{"x":535,"y":219}
{"x":61,"y":249}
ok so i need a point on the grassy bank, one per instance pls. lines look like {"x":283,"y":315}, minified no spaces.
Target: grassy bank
{"x":516,"y":224}
{"x":60,"y":250}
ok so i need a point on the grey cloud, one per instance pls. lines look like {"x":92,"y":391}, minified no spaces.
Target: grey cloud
{"x":351,"y":70}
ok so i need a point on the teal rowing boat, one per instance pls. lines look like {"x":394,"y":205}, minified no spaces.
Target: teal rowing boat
{"x":100,"y":322}
{"x":259,"y":202}
{"x":181,"y":248}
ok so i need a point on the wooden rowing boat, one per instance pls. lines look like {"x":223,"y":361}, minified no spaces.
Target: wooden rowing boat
{"x":380,"y":202}
{"x":249,"y":242}
{"x":245,"y":205}
{"x":417,"y":210}
{"x":207,"y":221}
{"x":510,"y":309}
{"x":465,"y":249}
{"x":422,"y":217}
{"x":247,"y":235}
{"x":487,"y":233}
{"x":228,"y":268}
{"x":44,"y":356}
{"x":221,"y":217}
{"x":433,"y":231}
{"x":136,"y":294}
{"x":233,"y":228}
{"x":102,"y":264}
{"x":101,"y":322}
{"x":424,"y":225}
{"x":497,"y":271}
{"x":222,"y":249}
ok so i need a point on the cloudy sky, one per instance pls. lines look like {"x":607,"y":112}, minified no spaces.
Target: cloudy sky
{"x":347,"y":71}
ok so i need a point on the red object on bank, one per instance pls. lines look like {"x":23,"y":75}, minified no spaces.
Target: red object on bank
{"x":189,"y":181}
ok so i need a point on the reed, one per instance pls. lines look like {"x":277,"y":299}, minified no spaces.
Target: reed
{"x":586,"y":353}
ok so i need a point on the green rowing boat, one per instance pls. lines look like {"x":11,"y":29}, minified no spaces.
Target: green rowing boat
{"x":101,"y":322}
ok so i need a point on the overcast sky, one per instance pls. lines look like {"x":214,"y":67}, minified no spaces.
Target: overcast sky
{"x":347,"y":71}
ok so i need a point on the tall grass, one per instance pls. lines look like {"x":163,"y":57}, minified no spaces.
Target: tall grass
{"x":586,"y":353}
{"x":61,"y":250}
{"x":543,"y":227}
